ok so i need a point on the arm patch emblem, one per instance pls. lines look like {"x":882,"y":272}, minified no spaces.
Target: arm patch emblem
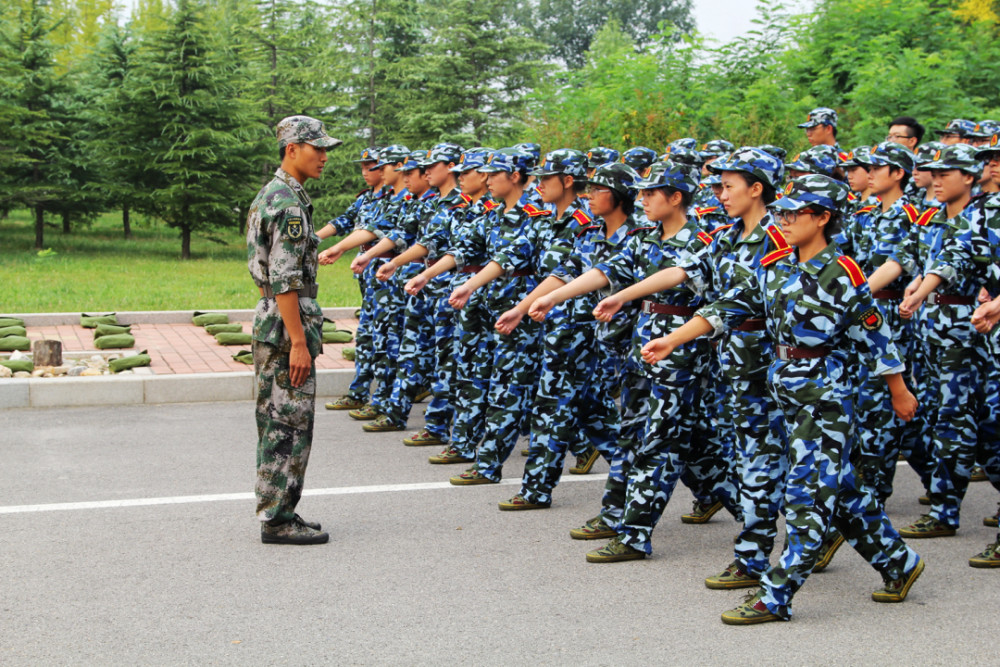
{"x":871,"y":319}
{"x":294,"y":228}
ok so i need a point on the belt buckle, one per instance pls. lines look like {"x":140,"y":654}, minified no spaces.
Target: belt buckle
{"x":932,"y":299}
{"x":647,"y":307}
{"x":783,"y":353}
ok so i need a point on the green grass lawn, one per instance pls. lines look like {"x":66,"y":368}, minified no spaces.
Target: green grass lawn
{"x":96,"y":269}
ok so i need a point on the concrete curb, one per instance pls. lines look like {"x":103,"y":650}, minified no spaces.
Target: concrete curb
{"x":149,"y":389}
{"x":153,"y":316}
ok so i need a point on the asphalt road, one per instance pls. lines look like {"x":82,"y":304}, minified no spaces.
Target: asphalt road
{"x":417,"y":572}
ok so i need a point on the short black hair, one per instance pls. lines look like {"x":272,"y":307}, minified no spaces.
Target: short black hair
{"x":281,"y":153}
{"x":626,"y":202}
{"x":687,"y":198}
{"x":906,"y":177}
{"x":916,"y":128}
{"x":768,"y":195}
{"x":833,"y":226}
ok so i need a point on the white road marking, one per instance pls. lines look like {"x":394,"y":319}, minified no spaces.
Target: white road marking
{"x":220,"y":497}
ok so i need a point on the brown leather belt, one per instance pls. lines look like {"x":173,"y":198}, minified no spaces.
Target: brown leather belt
{"x":306,"y":292}
{"x":752,"y":325}
{"x":888,"y":294}
{"x":664,"y":309}
{"x":786,"y":352}
{"x":520,"y":273}
{"x":472,"y":269}
{"x":935,"y":298}
{"x":386,"y":255}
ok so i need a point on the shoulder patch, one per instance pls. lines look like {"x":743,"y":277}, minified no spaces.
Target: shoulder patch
{"x":534,"y":212}
{"x":777,"y":238}
{"x":844,"y":156}
{"x":581,"y":217}
{"x":430,"y":194}
{"x":584,"y":230}
{"x":293,"y":227}
{"x":705,"y":238}
{"x":489,"y":204}
{"x":408,"y":197}
{"x":640,"y":229}
{"x":721,"y":229}
{"x":461,"y":204}
{"x":705,"y":210}
{"x":926,"y":216}
{"x":854,"y":271}
{"x":362,"y":193}
{"x":852,"y":197}
{"x":466,"y":198}
{"x":911,"y":212}
{"x":871,"y":319}
{"x":865,"y":209}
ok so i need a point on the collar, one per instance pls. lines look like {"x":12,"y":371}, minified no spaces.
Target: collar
{"x":825,"y":256}
{"x":296,"y":187}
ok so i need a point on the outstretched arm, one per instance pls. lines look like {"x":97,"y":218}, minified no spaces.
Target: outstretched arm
{"x":660,"y":348}
{"x":460,"y":296}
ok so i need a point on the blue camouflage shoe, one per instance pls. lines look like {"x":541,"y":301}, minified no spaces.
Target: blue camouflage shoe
{"x":927,"y":526}
{"x":519,"y":503}
{"x":733,"y":576}
{"x":702,"y":512}
{"x":752,"y":611}
{"x":895,"y":590}
{"x":471,"y":477}
{"x":990,"y":557}
{"x":615,"y":551}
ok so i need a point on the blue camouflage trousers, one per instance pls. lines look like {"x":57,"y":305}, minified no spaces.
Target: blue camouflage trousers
{"x":636,"y":389}
{"x":761,"y":464}
{"x":364,"y":370}
{"x":474,"y":347}
{"x":822,"y":491}
{"x":512,"y":387}
{"x":573,"y":404}
{"x":415,"y":362}
{"x":386,"y":329}
{"x":285,"y":417}
{"x":441,"y":411}
{"x":912,"y":446}
{"x":952,"y":394}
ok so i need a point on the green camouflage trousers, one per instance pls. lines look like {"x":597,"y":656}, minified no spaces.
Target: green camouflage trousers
{"x":285,"y":417}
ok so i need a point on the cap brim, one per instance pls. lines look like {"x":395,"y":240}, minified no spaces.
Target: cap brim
{"x":489,"y":169}
{"x":988,"y":151}
{"x":788,"y":204}
{"x":808,"y":124}
{"x":326,"y":142}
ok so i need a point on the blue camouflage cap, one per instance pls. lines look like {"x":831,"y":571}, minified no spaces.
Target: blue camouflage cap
{"x":686,"y":142}
{"x":820,"y":116}
{"x":715,"y":148}
{"x":600,"y":154}
{"x":535,"y":150}
{"x":563,"y":161}
{"x":855,"y":158}
{"x":990,"y":150}
{"x":776,"y":151}
{"x":508,"y":160}
{"x":368,"y":155}
{"x":753,"y":161}
{"x":304,"y":130}
{"x":639,"y":158}
{"x":985,"y":129}
{"x":616,"y":175}
{"x":392,"y":154}
{"x":676,"y":175}
{"x":957,"y":156}
{"x":444,"y":152}
{"x":413,"y":161}
{"x":812,"y":190}
{"x":683,"y":155}
{"x":473,"y":158}
{"x":820,"y":159}
{"x":925,"y":153}
{"x":959,"y":126}
{"x":893,"y":155}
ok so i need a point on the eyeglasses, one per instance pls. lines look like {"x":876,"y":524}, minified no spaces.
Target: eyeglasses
{"x":894,"y":136}
{"x":791,"y":217}
{"x":597,"y":189}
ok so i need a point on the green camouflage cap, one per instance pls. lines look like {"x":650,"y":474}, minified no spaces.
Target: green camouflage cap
{"x":820,"y":116}
{"x":892,"y":154}
{"x":716,"y":148}
{"x":821,"y":159}
{"x":776,"y":151}
{"x":985,"y":129}
{"x":392,"y":154}
{"x":855,"y":158}
{"x":687,"y":142}
{"x":563,"y":161}
{"x":442,"y":153}
{"x":676,"y":175}
{"x":812,"y":190}
{"x":753,"y":161}
{"x":683,"y":155}
{"x":616,"y":175}
{"x":413,"y":161}
{"x":304,"y":130}
{"x":599,"y":155}
{"x":639,"y":158}
{"x":925,"y":153}
{"x":368,"y":154}
{"x":959,"y":126}
{"x":990,"y":150}
{"x":958,"y":156}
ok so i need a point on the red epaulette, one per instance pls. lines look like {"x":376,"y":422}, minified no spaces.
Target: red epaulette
{"x":362,"y":193}
{"x":430,"y":194}
{"x":489,"y":204}
{"x":722,"y":228}
{"x":460,"y":204}
{"x":584,"y":230}
{"x":926,"y":216}
{"x":781,"y":245}
{"x":640,"y":229}
{"x":865,"y":209}
{"x":853,"y":270}
{"x":408,"y":197}
{"x":533,"y":211}
{"x":852,"y":197}
{"x":704,"y":237}
{"x":466,"y":198}
{"x":911,"y":212}
{"x":702,"y":186}
{"x":581,"y":217}
{"x":706,"y":210}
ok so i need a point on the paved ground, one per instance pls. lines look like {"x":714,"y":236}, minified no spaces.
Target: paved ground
{"x":417,"y":572}
{"x":181,"y":348}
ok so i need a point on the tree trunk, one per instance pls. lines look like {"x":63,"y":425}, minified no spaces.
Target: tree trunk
{"x":65,"y":219}
{"x":39,"y":227}
{"x":185,"y":242}
{"x":126,"y":224}
{"x":46,"y":353}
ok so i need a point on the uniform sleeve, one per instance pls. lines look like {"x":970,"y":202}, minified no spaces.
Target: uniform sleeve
{"x":345,"y":223}
{"x":700,"y":269}
{"x":619,"y":269}
{"x":436,"y":236}
{"x":471,"y":244}
{"x":743,"y":302}
{"x":516,"y":250}
{"x":905,"y":253}
{"x":867,"y":327}
{"x":965,"y":250}
{"x":288,"y":243}
{"x":560,"y":250}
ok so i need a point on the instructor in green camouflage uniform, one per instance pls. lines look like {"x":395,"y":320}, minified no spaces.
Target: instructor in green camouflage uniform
{"x":287,"y":329}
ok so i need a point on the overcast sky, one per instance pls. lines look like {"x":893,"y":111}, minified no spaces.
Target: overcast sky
{"x":724,"y":19}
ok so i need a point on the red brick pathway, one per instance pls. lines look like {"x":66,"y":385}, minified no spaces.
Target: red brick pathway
{"x":183,"y":348}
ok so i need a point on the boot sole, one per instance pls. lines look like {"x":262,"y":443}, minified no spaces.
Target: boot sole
{"x":361,"y":418}
{"x":705,"y":517}
{"x":990,"y":521}
{"x":318,"y":539}
{"x":618,"y":558}
{"x":915,"y":535}
{"x":878,"y":596}
{"x":507,"y":507}
{"x":751,"y":620}
{"x":730,"y":585}
{"x":585,"y":468}
{"x":456,"y":481}
{"x":984,"y":563}
{"x":603,"y":535}
{"x":436,"y":460}
{"x":409,"y":442}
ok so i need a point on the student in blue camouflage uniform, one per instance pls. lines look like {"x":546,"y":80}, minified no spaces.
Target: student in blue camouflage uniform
{"x":856,"y":167}
{"x":687,"y":143}
{"x":518,"y":233}
{"x":748,"y":177}
{"x":473,"y":341}
{"x":957,"y":131}
{"x":358,"y":216}
{"x":821,"y":128}
{"x":954,"y":352}
{"x":921,"y":192}
{"x":820,"y":159}
{"x":818,"y":308}
{"x":415,"y":361}
{"x":599,"y":155}
{"x":573,"y":408}
{"x":711,"y":151}
{"x":287,"y":329}
{"x":387,"y":299}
